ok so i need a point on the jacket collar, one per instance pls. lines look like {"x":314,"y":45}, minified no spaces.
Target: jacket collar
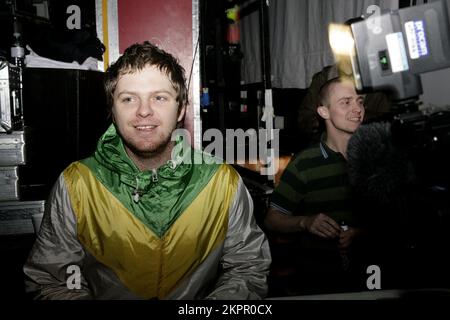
{"x":110,"y":153}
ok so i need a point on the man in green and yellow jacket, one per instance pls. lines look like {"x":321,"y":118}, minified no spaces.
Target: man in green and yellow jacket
{"x":138,"y":221}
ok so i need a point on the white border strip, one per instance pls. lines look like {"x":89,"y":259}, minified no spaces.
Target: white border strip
{"x":99,"y":25}
{"x":195,"y":81}
{"x":113,"y":31}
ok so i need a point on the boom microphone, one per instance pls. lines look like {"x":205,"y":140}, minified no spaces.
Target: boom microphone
{"x":378,"y":170}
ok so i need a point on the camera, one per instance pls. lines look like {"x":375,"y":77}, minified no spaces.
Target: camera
{"x":387,"y":52}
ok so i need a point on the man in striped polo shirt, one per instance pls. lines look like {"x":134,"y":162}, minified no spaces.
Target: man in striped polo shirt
{"x":313,"y":196}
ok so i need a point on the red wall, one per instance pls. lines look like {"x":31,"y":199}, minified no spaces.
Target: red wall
{"x":167,"y":23}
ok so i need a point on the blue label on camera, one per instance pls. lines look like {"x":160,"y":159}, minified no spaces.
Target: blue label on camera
{"x":417,"y":40}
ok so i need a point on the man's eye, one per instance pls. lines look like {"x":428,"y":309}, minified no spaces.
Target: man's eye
{"x":127,"y":99}
{"x":160,"y":98}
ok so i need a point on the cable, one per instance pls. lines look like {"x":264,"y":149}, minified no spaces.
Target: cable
{"x":192,"y":65}
{"x":196,"y":45}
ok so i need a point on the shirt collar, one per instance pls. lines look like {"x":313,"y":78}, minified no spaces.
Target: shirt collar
{"x":325,"y":150}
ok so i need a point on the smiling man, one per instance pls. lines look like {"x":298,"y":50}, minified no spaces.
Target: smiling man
{"x":133,"y":222}
{"x":313,"y":199}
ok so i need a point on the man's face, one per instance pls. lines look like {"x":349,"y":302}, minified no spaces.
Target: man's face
{"x":145,"y":111}
{"x":345,"y":110}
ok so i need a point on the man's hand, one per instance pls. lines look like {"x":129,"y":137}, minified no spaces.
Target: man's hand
{"x":321,"y":225}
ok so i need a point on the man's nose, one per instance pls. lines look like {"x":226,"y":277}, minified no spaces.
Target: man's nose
{"x":357,"y":107}
{"x":145,"y":109}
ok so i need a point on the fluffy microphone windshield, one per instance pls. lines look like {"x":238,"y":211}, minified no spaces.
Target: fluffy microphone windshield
{"x":377,"y":169}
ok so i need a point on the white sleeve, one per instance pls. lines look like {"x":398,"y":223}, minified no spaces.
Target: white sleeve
{"x":246,"y":255}
{"x":51,"y":271}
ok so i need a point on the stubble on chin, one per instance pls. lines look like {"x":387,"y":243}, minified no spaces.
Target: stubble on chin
{"x":150,"y":150}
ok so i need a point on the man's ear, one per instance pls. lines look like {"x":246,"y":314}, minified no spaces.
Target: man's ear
{"x":323,"y":112}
